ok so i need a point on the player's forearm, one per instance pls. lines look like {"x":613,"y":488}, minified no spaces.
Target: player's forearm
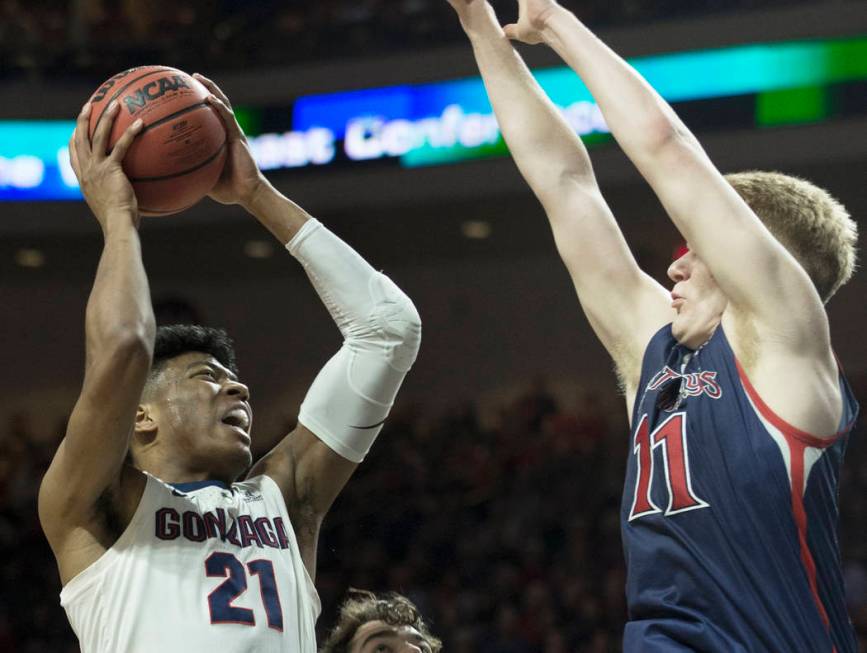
{"x":119,"y":311}
{"x":639,"y":118}
{"x":280,"y":215}
{"x":544,"y":146}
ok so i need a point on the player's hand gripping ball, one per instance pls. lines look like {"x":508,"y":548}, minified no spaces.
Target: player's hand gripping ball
{"x":179,"y":153}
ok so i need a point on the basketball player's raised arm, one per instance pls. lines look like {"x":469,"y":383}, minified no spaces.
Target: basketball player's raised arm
{"x":623,"y":304}
{"x":349,"y":400}
{"x":119,"y":326}
{"x":759,"y":277}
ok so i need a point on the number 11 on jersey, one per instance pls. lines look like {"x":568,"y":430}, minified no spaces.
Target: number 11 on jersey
{"x":671,"y":436}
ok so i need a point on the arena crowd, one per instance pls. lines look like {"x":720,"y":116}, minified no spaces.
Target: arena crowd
{"x":505,"y":534}
{"x":96,"y":38}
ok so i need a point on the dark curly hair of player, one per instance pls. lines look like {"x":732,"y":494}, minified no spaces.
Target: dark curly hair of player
{"x":177,"y":339}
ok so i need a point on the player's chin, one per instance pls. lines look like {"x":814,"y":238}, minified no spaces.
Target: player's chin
{"x":246,"y":461}
{"x":234,"y":434}
{"x":680,"y":328}
{"x":236,"y":458}
{"x":235,"y":443}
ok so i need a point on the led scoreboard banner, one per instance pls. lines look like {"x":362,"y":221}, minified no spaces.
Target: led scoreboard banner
{"x":445,"y":122}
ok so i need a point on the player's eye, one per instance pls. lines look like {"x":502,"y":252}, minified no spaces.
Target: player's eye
{"x":382,"y":648}
{"x":209,"y":374}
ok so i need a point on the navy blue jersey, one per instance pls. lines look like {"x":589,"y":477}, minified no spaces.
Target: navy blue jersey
{"x":729,"y":515}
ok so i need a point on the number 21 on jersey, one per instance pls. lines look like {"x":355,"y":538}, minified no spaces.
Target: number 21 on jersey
{"x":670,"y":436}
{"x":220,"y":601}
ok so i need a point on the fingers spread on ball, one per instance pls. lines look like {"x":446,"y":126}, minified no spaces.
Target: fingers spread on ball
{"x":73,"y":155}
{"x":123,"y":143}
{"x":213,"y":88}
{"x":233,"y":129}
{"x":79,"y":138}
{"x":103,"y":129}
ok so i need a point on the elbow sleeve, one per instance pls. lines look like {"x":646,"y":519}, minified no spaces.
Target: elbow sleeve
{"x":351,"y":397}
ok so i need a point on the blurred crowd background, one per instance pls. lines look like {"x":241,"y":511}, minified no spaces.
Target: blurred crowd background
{"x":500,"y":518}
{"x":506,"y":535}
{"x":47,"y":38}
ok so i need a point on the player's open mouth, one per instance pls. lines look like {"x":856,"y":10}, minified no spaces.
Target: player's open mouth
{"x":237,"y":417}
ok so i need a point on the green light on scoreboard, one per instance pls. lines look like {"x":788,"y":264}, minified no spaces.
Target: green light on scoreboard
{"x":792,"y":106}
{"x":790,"y":81}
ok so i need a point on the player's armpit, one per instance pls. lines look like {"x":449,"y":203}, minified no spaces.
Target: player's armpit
{"x":310,"y":475}
{"x":307,"y":471}
{"x":800,"y":387}
{"x":82,"y":541}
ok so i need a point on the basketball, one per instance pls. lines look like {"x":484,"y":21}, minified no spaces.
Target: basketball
{"x":180,"y":151}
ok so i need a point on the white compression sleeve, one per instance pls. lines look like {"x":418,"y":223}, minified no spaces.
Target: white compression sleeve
{"x":352,"y":395}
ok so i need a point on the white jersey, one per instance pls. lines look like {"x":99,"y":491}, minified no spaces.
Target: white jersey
{"x":200,"y":568}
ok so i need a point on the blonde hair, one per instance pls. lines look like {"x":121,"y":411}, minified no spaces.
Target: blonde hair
{"x":813,"y":226}
{"x":363,"y":607}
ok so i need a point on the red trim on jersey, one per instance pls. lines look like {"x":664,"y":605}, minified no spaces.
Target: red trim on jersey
{"x":798,"y":442}
{"x":789,"y":431}
{"x":796,"y":455}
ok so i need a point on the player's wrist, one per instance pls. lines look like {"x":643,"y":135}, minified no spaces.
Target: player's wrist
{"x":115,"y":220}
{"x":550,"y":22}
{"x":259,"y":192}
{"x":479,"y":21}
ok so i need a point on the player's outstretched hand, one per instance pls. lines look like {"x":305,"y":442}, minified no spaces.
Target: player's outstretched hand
{"x":532,"y":17}
{"x":100,"y":175}
{"x":241,"y":176}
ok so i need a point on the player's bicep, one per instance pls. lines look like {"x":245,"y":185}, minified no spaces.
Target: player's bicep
{"x":91,"y":455}
{"x":624,"y":305}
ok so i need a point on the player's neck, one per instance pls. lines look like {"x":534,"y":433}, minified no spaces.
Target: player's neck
{"x":694,"y":336}
{"x":174,"y":473}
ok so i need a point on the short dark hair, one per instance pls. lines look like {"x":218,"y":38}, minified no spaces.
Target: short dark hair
{"x":362,"y":607}
{"x":177,"y":339}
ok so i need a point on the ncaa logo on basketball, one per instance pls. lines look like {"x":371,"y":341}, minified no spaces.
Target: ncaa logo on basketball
{"x":105,"y":88}
{"x":152,"y":91}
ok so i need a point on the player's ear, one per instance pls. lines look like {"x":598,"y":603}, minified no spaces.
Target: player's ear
{"x":145,"y":424}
